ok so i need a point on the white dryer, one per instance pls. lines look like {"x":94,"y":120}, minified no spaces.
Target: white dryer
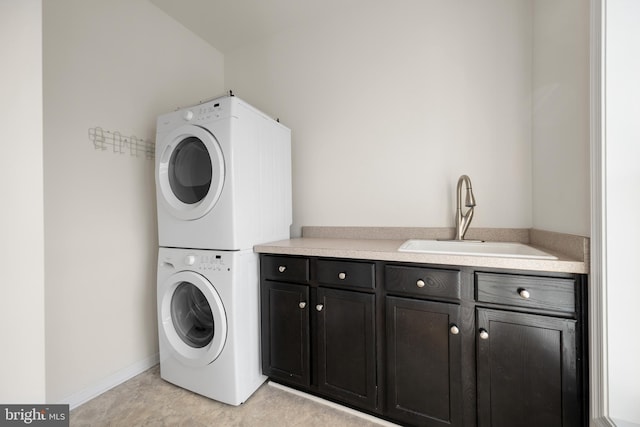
{"x":223,"y":177}
{"x":208,"y":322}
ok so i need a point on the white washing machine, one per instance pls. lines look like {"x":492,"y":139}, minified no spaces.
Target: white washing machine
{"x":208,"y":322}
{"x":223,"y":177}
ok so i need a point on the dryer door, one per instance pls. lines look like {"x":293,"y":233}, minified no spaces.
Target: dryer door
{"x":190,"y":172}
{"x":193,"y":319}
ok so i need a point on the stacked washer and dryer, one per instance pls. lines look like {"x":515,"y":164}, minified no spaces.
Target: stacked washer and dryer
{"x":223,"y":184}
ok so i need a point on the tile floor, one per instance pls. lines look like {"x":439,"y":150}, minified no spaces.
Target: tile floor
{"x":147,"y":400}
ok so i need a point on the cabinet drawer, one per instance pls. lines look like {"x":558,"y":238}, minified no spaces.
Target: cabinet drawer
{"x":346,"y":273}
{"x":546,"y":293}
{"x":426,"y":282}
{"x":285,"y":268}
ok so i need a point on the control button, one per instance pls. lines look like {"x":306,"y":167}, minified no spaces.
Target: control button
{"x":187,"y":115}
{"x":190,"y":259}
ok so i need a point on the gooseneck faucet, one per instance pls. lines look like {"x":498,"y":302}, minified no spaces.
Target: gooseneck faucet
{"x":463,"y":220}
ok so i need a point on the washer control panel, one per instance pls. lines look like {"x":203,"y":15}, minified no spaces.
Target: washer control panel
{"x":213,"y":262}
{"x":196,"y":260}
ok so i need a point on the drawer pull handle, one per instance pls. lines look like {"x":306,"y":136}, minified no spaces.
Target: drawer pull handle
{"x":484,"y":334}
{"x":524,"y":293}
{"x":454,"y":330}
{"x":282,"y":268}
{"x":420,"y":283}
{"x":302,"y":304}
{"x":319,"y":307}
{"x":342,"y":276}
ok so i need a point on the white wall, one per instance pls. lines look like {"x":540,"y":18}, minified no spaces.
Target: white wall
{"x":116,"y":64}
{"x":561,"y":198}
{"x":622,"y":112}
{"x":22,"y":329}
{"x":390,"y":105}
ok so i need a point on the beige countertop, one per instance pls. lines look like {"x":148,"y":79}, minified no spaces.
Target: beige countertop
{"x":387,"y":250}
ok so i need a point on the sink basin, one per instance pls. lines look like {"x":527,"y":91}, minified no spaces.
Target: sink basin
{"x":490,"y":249}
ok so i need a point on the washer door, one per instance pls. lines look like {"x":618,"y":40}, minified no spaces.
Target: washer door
{"x":193,"y":319}
{"x":190,"y":172}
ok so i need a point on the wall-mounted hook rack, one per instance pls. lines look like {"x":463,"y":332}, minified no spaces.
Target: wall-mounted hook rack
{"x":121,"y":144}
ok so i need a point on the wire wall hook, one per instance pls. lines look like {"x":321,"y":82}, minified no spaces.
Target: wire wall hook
{"x":102,"y":139}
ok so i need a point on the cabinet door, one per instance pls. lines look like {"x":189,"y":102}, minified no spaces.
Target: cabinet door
{"x":346,"y":346}
{"x":423,"y":362}
{"x":285,"y":332}
{"x":526,"y":370}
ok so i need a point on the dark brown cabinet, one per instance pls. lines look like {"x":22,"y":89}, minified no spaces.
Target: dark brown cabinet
{"x":530,"y":366}
{"x":346,"y":346}
{"x":285,"y":333}
{"x":319,"y":333}
{"x":526,"y":370}
{"x":423,"y":362}
{"x":428,"y":345}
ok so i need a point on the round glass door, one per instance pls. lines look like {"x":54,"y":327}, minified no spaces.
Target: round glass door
{"x":193,"y":318}
{"x":190,"y":172}
{"x":191,"y":315}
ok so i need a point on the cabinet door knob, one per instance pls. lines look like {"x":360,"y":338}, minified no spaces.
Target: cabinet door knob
{"x":524,"y":293}
{"x":454,"y":330}
{"x":484,"y":334}
{"x":342,"y":276}
{"x":282,"y":268}
{"x":319,"y":307}
{"x":302,"y":304}
{"x":420,"y":283}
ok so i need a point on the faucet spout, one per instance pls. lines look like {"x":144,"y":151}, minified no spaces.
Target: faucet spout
{"x":463,"y":220}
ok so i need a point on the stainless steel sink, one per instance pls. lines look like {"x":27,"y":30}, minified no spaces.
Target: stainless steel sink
{"x":488,"y":249}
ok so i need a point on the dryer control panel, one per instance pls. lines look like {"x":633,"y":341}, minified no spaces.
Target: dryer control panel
{"x":205,"y":112}
{"x":197,"y":114}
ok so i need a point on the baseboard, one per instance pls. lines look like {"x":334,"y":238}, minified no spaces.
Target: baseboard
{"x":623,"y":423}
{"x":601,"y":422}
{"x":333,"y":405}
{"x":110,"y":382}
